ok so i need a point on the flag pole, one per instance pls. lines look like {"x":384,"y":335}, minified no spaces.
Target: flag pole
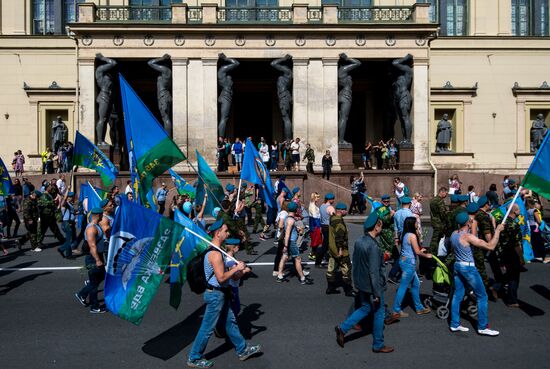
{"x":211,"y":244}
{"x":238,"y":195}
{"x":205,"y":184}
{"x":511,"y":204}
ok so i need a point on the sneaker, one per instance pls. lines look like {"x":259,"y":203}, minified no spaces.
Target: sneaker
{"x":80,"y":299}
{"x":424,"y":311}
{"x":38,"y":249}
{"x":307,"y":281}
{"x":249,"y":351}
{"x":275,"y":273}
{"x":546,"y":260}
{"x":306,"y":272}
{"x":280,"y":278}
{"x":393,"y":281}
{"x":339,"y":336}
{"x":99,"y":310}
{"x":263,"y":238}
{"x":459,"y":329}
{"x":200,"y":363}
{"x":86,"y":282}
{"x":77,"y":252}
{"x":400,"y":314}
{"x":311,"y":257}
{"x":488,"y":332}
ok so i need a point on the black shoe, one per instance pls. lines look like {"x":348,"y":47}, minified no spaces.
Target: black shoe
{"x":350,"y":293}
{"x":80,"y":299}
{"x":252,"y":252}
{"x":61,"y":253}
{"x":99,"y":310}
{"x":339,"y":336}
{"x":332,"y":291}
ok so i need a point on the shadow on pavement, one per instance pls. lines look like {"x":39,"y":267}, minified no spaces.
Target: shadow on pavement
{"x":171,"y":342}
{"x":541,"y":290}
{"x":530,"y":309}
{"x":11,"y":285}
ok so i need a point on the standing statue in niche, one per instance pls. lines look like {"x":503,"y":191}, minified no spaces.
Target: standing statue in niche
{"x":114,"y":128}
{"x":164,"y":88}
{"x":538,"y":131}
{"x":402,"y":96}
{"x":283,"y":91}
{"x":345,"y":95}
{"x":444,"y":134}
{"x":226,"y":96}
{"x":60,"y":134}
{"x":104,"y":81}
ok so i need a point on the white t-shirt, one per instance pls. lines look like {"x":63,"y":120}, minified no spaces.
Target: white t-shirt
{"x":61,"y":186}
{"x":295,"y":147}
{"x":128,"y":189}
{"x":283,"y":214}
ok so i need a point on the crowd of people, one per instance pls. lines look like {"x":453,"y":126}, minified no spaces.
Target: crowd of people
{"x":57,"y":162}
{"x":465,"y":236}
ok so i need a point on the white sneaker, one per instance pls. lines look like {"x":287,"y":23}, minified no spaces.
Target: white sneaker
{"x":306,"y":272}
{"x":488,"y":332}
{"x":459,"y":329}
{"x":38,"y":249}
{"x":275,"y":273}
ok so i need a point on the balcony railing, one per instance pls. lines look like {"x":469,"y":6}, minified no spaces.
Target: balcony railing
{"x":255,"y":15}
{"x":375,"y":14}
{"x":210,"y":13}
{"x":134,"y":14}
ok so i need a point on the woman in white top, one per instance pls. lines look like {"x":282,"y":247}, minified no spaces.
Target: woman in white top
{"x":315,"y":234}
{"x":264,"y":152}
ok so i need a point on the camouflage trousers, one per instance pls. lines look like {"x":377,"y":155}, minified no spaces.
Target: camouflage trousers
{"x":258,"y":221}
{"x":246,"y":242}
{"x":344,"y":263}
{"x":479,"y":259}
{"x":33,"y":235}
{"x":50,"y":222}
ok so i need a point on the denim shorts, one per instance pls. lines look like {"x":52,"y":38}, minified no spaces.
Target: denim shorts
{"x":293,"y":250}
{"x":239,"y":158}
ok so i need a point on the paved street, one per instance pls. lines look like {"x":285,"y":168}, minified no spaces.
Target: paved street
{"x":43,"y":326}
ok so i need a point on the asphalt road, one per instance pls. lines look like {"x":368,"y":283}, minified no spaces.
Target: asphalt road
{"x":43,"y":326}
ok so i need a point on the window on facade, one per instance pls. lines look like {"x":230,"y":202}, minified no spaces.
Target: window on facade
{"x":530,"y":18}
{"x":348,"y":3}
{"x":251,"y":3}
{"x":453,"y":16}
{"x":432,"y":10}
{"x":150,"y":10}
{"x":51,"y":16}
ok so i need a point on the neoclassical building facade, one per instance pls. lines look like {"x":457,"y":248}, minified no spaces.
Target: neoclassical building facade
{"x":483,"y":63}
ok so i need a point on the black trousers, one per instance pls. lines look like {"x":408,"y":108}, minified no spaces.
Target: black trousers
{"x":322,"y":249}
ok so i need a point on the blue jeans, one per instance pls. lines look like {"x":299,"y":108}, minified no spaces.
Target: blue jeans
{"x":464,"y":274}
{"x":70,"y":233}
{"x":95,"y":276}
{"x":409,"y":277}
{"x":215,"y":301}
{"x":378,"y":322}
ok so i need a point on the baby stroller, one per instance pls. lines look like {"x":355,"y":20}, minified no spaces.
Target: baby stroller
{"x":442,"y":292}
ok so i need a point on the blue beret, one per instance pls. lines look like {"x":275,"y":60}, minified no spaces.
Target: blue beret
{"x":103,"y":203}
{"x":405,"y":200}
{"x":215,"y":212}
{"x":187,"y":207}
{"x":371,"y":220}
{"x":292,"y":207}
{"x":329,"y":196}
{"x":70,"y":194}
{"x":454,"y":198}
{"x":463,"y":198}
{"x":37,"y":193}
{"x":230,"y":187}
{"x":341,"y":206}
{"x":285,"y":189}
{"x":483,"y":200}
{"x":295,"y":190}
{"x":511,"y":182}
{"x":97,"y":211}
{"x":232,"y":242}
{"x":385,"y":197}
{"x":472,"y":208}
{"x":244,"y":184}
{"x":215,"y":226}
{"x":462,"y":218}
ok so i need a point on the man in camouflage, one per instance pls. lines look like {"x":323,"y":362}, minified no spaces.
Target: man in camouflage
{"x":385,"y":214}
{"x":439,"y":218}
{"x":258,"y":218}
{"x":511,"y":253}
{"x":310,"y":157}
{"x":47,"y":209}
{"x":30,"y":218}
{"x":460,"y":203}
{"x":338,"y":252}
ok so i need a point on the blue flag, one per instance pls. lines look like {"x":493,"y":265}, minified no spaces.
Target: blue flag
{"x":182,"y":186}
{"x":141,"y":245}
{"x":208,"y":183}
{"x":522,"y":220}
{"x":537,"y":177}
{"x":151,"y":200}
{"x":255,"y":171}
{"x":89,"y":198}
{"x":87,"y":155}
{"x":5,"y":180}
{"x":189,"y":246}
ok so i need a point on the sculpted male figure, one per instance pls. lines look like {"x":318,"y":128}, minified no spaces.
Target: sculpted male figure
{"x":283,"y":91}
{"x":226,"y":95}
{"x":104,"y":101}
{"x":538,"y":130}
{"x":402,"y":95}
{"x":443,"y":134}
{"x":164,"y":90}
{"x":59,"y":134}
{"x":345,"y":94}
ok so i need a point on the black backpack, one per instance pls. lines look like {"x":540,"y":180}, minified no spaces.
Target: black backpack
{"x":196,"y":279}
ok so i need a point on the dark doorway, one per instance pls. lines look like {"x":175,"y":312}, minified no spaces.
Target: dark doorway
{"x":255,"y":111}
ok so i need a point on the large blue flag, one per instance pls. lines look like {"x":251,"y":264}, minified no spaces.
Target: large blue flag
{"x":89,"y":198}
{"x":189,"y":246}
{"x":255,"y":171}
{"x":151,"y":150}
{"x":5,"y":180}
{"x":208,"y":183}
{"x":182,"y":186}
{"x":141,"y":245}
{"x":523,"y":224}
{"x":537,"y":177}
{"x":87,"y":155}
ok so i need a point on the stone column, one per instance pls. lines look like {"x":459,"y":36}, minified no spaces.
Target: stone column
{"x":421,"y":117}
{"x":330,"y":112}
{"x":87,"y":104}
{"x":210,"y":108}
{"x":315,"y":96}
{"x":179,"y":105}
{"x":300,"y":98}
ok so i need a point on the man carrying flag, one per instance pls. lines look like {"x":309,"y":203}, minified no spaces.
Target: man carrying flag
{"x":255,"y":171}
{"x":87,"y":155}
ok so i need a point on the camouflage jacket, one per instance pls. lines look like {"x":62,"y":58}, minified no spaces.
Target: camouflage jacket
{"x":30,"y":210}
{"x":484,"y":224}
{"x":438,"y":211}
{"x":510,"y":238}
{"x":310,"y":155}
{"x":337,"y":236}
{"x":231,"y":224}
{"x":46,"y":205}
